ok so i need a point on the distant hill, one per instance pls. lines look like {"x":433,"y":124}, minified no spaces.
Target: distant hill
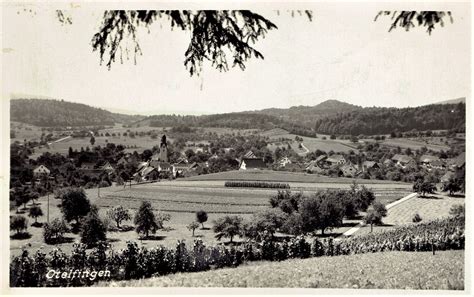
{"x":307,"y":115}
{"x":53,"y":113}
{"x":382,"y":120}
{"x":453,"y":101}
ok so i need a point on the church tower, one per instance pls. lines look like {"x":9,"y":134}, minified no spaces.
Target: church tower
{"x":163,"y":149}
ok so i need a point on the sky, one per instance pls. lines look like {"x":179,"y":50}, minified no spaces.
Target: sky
{"x":342,"y":54}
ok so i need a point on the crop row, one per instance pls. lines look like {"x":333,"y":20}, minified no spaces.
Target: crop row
{"x":265,"y":185}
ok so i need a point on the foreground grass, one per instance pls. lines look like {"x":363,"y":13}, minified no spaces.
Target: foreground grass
{"x":390,"y":270}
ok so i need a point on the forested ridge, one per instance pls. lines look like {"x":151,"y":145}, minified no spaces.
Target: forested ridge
{"x":381,"y":120}
{"x":53,"y":113}
{"x":329,"y":117}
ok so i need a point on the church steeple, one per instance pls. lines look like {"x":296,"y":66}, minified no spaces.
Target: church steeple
{"x":163,"y":149}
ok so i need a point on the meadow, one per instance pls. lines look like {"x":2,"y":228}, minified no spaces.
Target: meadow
{"x":417,"y":271}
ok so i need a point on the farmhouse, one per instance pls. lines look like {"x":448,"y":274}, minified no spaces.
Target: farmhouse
{"x":437,"y":164}
{"x":107,"y":167}
{"x":426,"y":160}
{"x":336,"y":160}
{"x":320,"y":159}
{"x":250,"y":155}
{"x":313,"y":167}
{"x":41,"y":171}
{"x":252,"y":163}
{"x":348,"y":170}
{"x":368,"y":165}
{"x":403,"y":160}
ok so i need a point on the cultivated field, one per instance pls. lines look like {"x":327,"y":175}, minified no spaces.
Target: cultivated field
{"x":430,"y":208}
{"x":291,"y":177}
{"x":413,"y":144}
{"x":418,"y":270}
{"x":314,"y":143}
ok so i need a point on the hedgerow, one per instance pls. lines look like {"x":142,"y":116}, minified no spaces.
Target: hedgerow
{"x":136,"y":262}
{"x":246,"y":184}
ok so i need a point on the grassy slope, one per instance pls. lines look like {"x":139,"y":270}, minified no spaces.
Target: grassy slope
{"x":390,"y":270}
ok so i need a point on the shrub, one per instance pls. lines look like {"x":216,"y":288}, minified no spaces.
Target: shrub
{"x":416,"y":218}
{"x":19,"y":224}
{"x":458,"y":211}
{"x":54,"y":232}
{"x":145,"y":220}
{"x":35,"y":212}
{"x":119,"y":214}
{"x":93,"y":229}
{"x":201,"y":217}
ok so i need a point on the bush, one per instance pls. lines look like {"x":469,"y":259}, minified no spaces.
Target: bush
{"x":54,"y":232}
{"x":93,"y":229}
{"x":19,"y":224}
{"x":416,"y":218}
{"x":458,"y":211}
{"x":35,"y":212}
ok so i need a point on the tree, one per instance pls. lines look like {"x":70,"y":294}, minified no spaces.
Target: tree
{"x":54,"y":231}
{"x":145,"y":221}
{"x":119,"y":214}
{"x":93,"y":229}
{"x":92,"y":141}
{"x":269,"y":220}
{"x":74,"y":204}
{"x":408,"y":19}
{"x":228,"y":226}
{"x":35,"y":212}
{"x":192,"y":226}
{"x":321,"y":211}
{"x":423,"y":187}
{"x":201,"y":217}
{"x":372,"y":217}
{"x":452,"y":186}
{"x":18,"y":223}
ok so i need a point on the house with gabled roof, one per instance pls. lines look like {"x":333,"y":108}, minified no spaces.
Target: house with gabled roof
{"x":250,"y":155}
{"x":335,"y":160}
{"x":369,"y":165}
{"x":403,"y":160}
{"x":252,"y":163}
{"x":41,"y":171}
{"x":426,"y":160}
{"x":348,"y":170}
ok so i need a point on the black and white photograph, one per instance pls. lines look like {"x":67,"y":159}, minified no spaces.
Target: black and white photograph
{"x":313,"y":147}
